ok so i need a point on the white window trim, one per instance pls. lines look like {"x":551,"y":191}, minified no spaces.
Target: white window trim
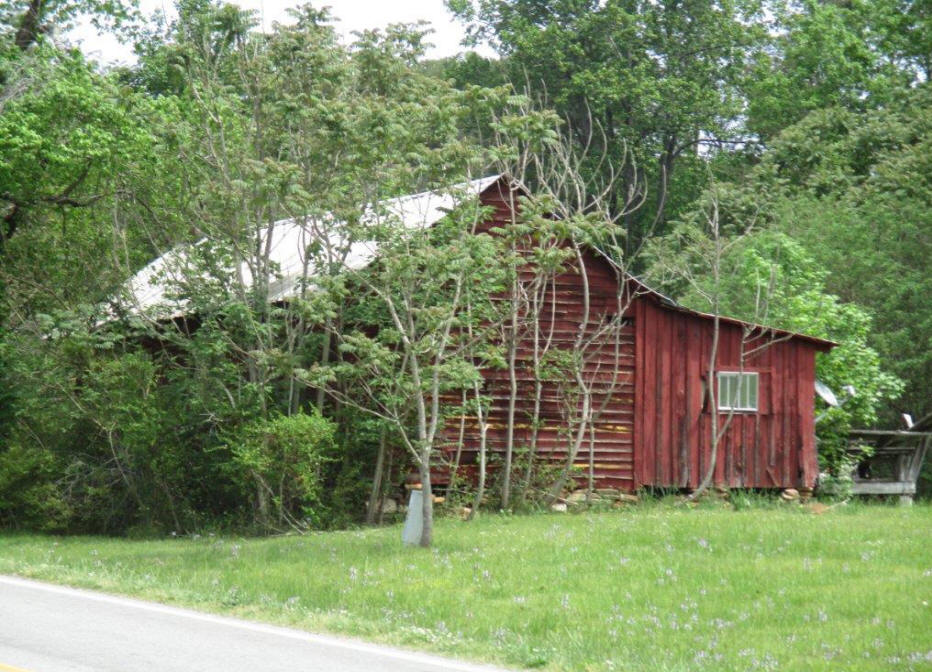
{"x":747,"y":375}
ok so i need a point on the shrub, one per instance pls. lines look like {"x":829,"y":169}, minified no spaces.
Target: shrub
{"x":29,"y":497}
{"x":282,"y":459}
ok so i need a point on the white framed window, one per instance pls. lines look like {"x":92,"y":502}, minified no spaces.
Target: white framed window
{"x":737,"y":391}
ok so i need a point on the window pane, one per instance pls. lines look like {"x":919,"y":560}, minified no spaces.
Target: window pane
{"x":727,"y":385}
{"x":738,"y":391}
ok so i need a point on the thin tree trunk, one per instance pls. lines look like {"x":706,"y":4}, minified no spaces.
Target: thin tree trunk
{"x":459,"y":442}
{"x":713,"y":409}
{"x":632,"y":237}
{"x":665,"y":163}
{"x":590,"y":485}
{"x":483,"y":454}
{"x":388,"y":473}
{"x":28,"y":30}
{"x":538,"y":353}
{"x":427,"y":532}
{"x":713,"y":355}
{"x":262,"y":502}
{"x":579,"y":363}
{"x":324,"y":360}
{"x":375,"y":494}
{"x":512,"y":398}
{"x":425,"y":447}
{"x":535,"y":412}
{"x":130,"y":483}
{"x":170,"y":500}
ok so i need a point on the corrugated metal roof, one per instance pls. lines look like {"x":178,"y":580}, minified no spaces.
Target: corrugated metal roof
{"x":151,"y":290}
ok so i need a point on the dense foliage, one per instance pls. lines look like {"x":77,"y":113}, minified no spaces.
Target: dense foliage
{"x":806,"y":125}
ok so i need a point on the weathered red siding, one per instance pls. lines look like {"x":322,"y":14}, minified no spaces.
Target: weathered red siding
{"x":608,"y":448}
{"x":773,"y":447}
{"x":655,"y":429}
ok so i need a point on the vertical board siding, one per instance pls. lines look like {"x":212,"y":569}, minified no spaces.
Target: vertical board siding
{"x":773,"y":447}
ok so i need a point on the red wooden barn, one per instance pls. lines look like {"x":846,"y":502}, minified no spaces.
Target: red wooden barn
{"x":645,"y":366}
{"x":651,"y":417}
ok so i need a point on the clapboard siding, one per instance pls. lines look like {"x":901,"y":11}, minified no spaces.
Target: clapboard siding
{"x":608,"y":447}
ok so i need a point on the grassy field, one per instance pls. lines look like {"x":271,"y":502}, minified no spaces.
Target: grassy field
{"x":653,"y":587}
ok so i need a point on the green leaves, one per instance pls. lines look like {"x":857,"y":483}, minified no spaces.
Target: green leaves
{"x":832,"y":54}
{"x":840,"y":206}
{"x":283,"y":458}
{"x":854,"y":188}
{"x":62,"y":131}
{"x":640,"y":83}
{"x":767,"y":277}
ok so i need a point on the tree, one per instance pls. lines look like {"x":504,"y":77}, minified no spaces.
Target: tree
{"x":852,"y":188}
{"x":742,"y":268}
{"x":658,"y":80}
{"x":827,"y":54}
{"x":560,"y":231}
{"x":29,"y":20}
{"x":266,"y":134}
{"x":64,"y":128}
{"x":694,"y":256}
{"x":903,"y":28}
{"x":421,"y":332}
{"x":301,"y":138}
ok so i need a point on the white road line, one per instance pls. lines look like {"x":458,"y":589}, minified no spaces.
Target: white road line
{"x":328,"y":640}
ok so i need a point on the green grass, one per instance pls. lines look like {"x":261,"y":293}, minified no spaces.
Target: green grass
{"x":654,"y":587}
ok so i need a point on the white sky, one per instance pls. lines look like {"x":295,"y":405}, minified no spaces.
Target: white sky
{"x":353,"y":15}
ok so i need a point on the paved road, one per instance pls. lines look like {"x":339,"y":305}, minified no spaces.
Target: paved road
{"x":45,"y":628}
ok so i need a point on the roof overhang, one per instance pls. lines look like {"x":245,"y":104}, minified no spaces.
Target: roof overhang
{"x":665,"y":302}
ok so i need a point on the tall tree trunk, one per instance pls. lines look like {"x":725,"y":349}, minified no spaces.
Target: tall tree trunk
{"x":590,"y":482}
{"x":713,"y":409}
{"x":454,"y":471}
{"x":713,"y":355}
{"x":665,"y":164}
{"x":629,"y":221}
{"x":539,"y":350}
{"x":483,"y":452}
{"x":512,"y":397}
{"x":573,"y":450}
{"x":579,"y":362}
{"x":324,"y":360}
{"x":425,"y":447}
{"x":262,"y":502}
{"x":130,"y":482}
{"x":388,"y":473}
{"x":538,"y":393}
